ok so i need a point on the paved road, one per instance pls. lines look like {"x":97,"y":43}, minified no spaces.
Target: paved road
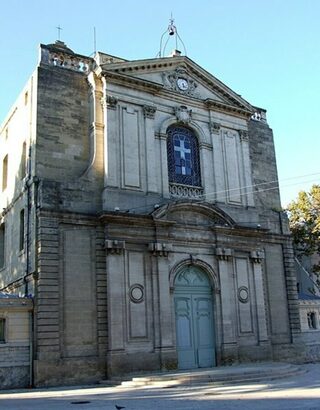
{"x":299,"y":392}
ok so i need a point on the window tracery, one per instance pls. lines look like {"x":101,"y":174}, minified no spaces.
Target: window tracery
{"x":183,"y":156}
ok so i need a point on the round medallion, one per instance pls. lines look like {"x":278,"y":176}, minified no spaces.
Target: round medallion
{"x":243,"y":294}
{"x":182,"y":84}
{"x":136,"y":293}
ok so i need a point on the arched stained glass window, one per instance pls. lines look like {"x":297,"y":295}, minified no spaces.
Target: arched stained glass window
{"x":183,"y":156}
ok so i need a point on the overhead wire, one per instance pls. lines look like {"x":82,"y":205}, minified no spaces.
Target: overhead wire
{"x":239,"y":193}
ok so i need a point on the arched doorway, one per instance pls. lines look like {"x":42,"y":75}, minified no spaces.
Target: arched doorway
{"x":193,"y":301}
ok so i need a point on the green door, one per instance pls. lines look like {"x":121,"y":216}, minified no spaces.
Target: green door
{"x":194,"y":319}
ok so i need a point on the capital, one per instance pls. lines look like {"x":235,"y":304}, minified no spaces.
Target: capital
{"x":149,"y":111}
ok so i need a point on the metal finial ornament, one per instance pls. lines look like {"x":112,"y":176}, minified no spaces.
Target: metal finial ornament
{"x":172,"y":28}
{"x":171,"y":31}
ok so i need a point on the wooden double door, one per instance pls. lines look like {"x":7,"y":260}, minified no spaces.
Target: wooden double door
{"x":194,"y":319}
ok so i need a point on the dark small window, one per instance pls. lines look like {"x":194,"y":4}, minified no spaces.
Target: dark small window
{"x":23,"y":163}
{"x":183,"y":156}
{"x":2,"y":330}
{"x":2,"y":245}
{"x":21,"y":235}
{"x":312,"y":323}
{"x":4,"y":172}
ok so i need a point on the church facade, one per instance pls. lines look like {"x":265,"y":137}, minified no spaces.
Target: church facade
{"x":141,"y":212}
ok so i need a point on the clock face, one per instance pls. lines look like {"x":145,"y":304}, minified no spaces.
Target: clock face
{"x":183,"y":84}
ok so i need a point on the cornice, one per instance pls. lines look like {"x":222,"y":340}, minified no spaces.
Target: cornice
{"x":157,"y":64}
{"x":222,"y":107}
{"x":123,"y":79}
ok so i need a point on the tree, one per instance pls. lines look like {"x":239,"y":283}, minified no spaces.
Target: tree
{"x":304,"y":221}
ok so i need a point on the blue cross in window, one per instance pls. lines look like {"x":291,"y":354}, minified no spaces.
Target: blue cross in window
{"x":183,"y":150}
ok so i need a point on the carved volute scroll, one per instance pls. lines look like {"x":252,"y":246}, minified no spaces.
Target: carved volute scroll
{"x":224,"y":254}
{"x":114,"y":246}
{"x":149,"y":111}
{"x":214,"y":127}
{"x":257,"y":256}
{"x":159,"y":248}
{"x":244,"y":136}
{"x":111,"y":102}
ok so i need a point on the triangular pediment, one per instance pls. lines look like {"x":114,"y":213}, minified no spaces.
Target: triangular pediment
{"x":178,"y":75}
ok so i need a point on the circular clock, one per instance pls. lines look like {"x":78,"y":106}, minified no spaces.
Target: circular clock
{"x":182,"y":84}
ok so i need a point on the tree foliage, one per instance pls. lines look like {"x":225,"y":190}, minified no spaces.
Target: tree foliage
{"x":304,"y":220}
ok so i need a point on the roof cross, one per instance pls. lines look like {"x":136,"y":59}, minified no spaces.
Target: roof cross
{"x":59,"y":30}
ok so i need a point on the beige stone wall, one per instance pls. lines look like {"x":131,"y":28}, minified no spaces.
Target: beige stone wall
{"x":17,"y":136}
{"x":136,"y":156}
{"x":15,"y":351}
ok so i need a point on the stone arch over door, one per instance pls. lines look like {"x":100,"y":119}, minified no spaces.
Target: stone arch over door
{"x":194,"y":318}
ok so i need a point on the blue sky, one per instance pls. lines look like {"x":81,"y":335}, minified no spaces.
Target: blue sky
{"x":267,"y":51}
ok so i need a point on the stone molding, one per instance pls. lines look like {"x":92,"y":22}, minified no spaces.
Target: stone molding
{"x":136,"y":293}
{"x":214,"y":127}
{"x":111,"y":102}
{"x":224,"y":254}
{"x":243,"y":294}
{"x":114,"y":246}
{"x":160,"y":249}
{"x":205,"y":145}
{"x":170,"y":81}
{"x":160,"y":136}
{"x":244,"y":136}
{"x":257,"y":256}
{"x":149,"y":111}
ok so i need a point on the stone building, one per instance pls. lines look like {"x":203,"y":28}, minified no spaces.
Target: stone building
{"x":141,"y":210}
{"x":15,"y":341}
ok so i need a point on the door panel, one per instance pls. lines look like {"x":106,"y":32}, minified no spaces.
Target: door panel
{"x":202,"y":314}
{"x":185,"y":337}
{"x":195,"y":336}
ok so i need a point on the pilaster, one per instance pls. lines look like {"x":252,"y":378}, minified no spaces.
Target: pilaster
{"x":256,"y":259}
{"x":164,"y":165}
{"x":224,"y":256}
{"x":291,"y":286}
{"x":165,"y":332}
{"x":149,"y":114}
{"x":115,"y":266}
{"x":247,"y":183}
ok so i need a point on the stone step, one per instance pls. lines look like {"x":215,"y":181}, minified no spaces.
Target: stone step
{"x":221,"y":375}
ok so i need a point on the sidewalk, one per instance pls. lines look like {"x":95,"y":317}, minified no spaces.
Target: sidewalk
{"x":296,"y":391}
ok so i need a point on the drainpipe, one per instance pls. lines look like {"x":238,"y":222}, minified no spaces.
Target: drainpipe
{"x":31,"y":343}
{"x":29,"y":204}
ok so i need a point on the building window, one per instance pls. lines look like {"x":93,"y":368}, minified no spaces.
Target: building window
{"x":21,"y":234}
{"x":312,"y":322}
{"x":183,"y":156}
{"x":2,"y":330}
{"x":2,"y":245}
{"x":23,"y":162}
{"x":4,"y":172}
